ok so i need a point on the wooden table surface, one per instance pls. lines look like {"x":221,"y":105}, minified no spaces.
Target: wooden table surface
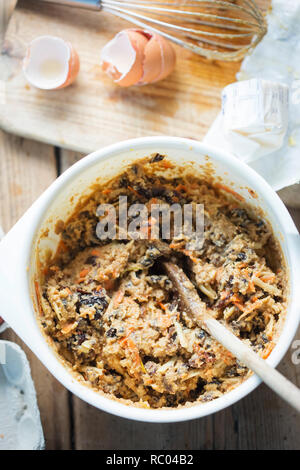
{"x":259,"y":421}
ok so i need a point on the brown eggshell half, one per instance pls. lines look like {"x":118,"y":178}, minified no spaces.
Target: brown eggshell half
{"x":155,"y":58}
{"x":134,"y":74}
{"x":74,"y":66}
{"x":152,"y":61}
{"x":168,"y":57}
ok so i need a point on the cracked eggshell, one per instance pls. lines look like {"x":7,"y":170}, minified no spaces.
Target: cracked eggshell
{"x":122,"y":57}
{"x":136,"y":57}
{"x":159,"y":59}
{"x":50,"y":63}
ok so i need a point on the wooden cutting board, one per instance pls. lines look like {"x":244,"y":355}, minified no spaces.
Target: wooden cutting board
{"x":94,"y":112}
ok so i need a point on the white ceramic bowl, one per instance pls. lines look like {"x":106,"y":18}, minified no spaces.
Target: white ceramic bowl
{"x":19,"y":249}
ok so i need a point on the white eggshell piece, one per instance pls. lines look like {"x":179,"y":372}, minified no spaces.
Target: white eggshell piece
{"x":119,"y":54}
{"x":46,"y":65}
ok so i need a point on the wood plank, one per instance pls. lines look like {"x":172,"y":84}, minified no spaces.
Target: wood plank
{"x":68,"y":158}
{"x":6,"y":10}
{"x":95,"y":112}
{"x":26,"y":169}
{"x":259,"y":421}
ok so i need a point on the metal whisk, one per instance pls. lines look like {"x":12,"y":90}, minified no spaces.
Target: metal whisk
{"x":216,"y":29}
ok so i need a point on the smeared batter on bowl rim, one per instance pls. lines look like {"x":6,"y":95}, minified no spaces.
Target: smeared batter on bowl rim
{"x":113,"y":316}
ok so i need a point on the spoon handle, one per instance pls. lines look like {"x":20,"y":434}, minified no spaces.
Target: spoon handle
{"x":276,"y":381}
{"x":194,"y":307}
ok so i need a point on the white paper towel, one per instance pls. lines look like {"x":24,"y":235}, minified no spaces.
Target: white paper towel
{"x":254,"y":117}
{"x":276,"y":58}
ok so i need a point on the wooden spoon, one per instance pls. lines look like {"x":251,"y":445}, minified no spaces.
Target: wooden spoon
{"x":196,"y":309}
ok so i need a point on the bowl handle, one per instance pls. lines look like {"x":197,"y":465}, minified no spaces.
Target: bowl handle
{"x":14,"y":285}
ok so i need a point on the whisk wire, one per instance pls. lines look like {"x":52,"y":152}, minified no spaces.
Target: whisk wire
{"x":216,"y":29}
{"x":189,"y":46}
{"x":238,"y":53}
{"x":252,"y":10}
{"x":162,"y":11}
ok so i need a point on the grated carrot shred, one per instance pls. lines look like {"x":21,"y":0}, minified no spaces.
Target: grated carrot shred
{"x":38,"y":297}
{"x":229,"y":190}
{"x":95,"y":253}
{"x":134,"y":191}
{"x":181,"y":187}
{"x":268,"y":350}
{"x":84,"y":272}
{"x":166,"y":164}
{"x":119,"y":297}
